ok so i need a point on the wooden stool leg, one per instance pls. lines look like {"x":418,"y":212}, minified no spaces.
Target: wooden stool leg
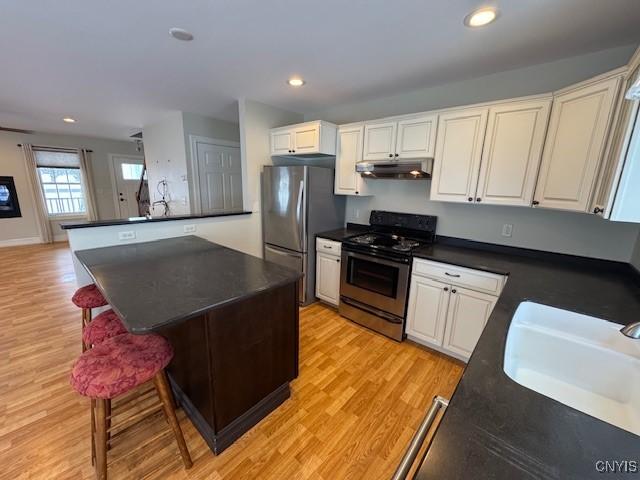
{"x":101,"y":439}
{"x":84,"y":324}
{"x":108,"y":424}
{"x":162,"y":386}
{"x":93,"y":431}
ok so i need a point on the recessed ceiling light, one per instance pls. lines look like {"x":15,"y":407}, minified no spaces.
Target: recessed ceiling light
{"x":296,"y":82}
{"x":69,"y":120}
{"x":481,"y":17}
{"x":181,"y":34}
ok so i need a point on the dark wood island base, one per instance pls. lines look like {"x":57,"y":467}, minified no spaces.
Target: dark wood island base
{"x":233,"y":364}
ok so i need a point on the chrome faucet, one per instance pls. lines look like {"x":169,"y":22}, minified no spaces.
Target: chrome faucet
{"x":632,"y":330}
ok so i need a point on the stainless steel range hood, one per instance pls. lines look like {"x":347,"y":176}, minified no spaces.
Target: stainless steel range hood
{"x":405,"y":170}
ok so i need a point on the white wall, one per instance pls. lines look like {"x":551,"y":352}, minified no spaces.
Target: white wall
{"x":168,"y":153}
{"x":256,"y":119}
{"x":573,"y":233}
{"x":24,"y":229}
{"x":166,"y":159}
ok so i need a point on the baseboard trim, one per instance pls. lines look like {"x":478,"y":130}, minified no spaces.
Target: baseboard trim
{"x":60,"y":238}
{"x":221,"y":440}
{"x":14,"y":242}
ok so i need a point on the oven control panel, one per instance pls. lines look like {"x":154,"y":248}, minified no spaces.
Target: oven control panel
{"x":409,"y":221}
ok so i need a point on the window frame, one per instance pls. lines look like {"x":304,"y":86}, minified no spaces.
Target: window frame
{"x":62,"y":215}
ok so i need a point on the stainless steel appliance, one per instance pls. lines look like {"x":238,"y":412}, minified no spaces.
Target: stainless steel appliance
{"x":395,"y":168}
{"x":297,"y":203}
{"x":376,"y":268}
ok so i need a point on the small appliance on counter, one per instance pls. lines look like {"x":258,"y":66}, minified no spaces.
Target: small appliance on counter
{"x":298,"y":202}
{"x":376,"y":269}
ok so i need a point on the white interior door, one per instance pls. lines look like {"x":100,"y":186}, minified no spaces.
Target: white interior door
{"x":219,"y":177}
{"x":127,"y":171}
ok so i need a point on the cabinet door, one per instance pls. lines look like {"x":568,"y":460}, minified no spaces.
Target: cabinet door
{"x":467,"y":315}
{"x":512,"y":152}
{"x":328,"y":278}
{"x":574,"y":145}
{"x":281,"y":142}
{"x":417,"y":137}
{"x":379,"y":141}
{"x":427,"y":310}
{"x":458,"y":153}
{"x":307,"y":139}
{"x":349,"y":152}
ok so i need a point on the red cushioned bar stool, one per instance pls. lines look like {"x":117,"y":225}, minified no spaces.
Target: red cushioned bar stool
{"x":104,"y":326}
{"x":117,"y":366}
{"x":88,"y":298}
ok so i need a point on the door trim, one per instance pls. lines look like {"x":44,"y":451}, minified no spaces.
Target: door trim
{"x":194,"y":181}
{"x":112,"y":174}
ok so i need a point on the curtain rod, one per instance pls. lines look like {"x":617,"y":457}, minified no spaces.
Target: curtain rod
{"x":60,"y":149}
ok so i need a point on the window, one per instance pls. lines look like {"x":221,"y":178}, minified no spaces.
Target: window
{"x":61,"y":182}
{"x":131,"y":171}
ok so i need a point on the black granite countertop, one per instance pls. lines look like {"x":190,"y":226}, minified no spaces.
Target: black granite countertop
{"x":340,"y":234}
{"x":495,"y":428}
{"x":154,"y":284}
{"x":137,"y":220}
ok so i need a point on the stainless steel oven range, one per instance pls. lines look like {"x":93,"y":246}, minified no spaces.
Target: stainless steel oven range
{"x":376,"y":268}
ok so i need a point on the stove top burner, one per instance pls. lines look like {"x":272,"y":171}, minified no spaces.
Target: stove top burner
{"x":386,"y":241}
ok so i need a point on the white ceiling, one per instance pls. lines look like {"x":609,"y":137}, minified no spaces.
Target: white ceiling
{"x":113,"y":66}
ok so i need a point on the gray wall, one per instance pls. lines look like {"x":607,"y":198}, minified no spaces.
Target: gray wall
{"x":635,"y":257}
{"x":573,"y":233}
{"x":12,"y":164}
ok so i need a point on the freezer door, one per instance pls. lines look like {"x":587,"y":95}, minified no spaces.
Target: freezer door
{"x":294,"y":260}
{"x":284,"y":207}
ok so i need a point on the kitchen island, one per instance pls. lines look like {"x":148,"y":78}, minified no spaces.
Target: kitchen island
{"x":231,"y":318}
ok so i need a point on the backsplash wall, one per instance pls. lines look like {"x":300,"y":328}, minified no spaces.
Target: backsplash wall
{"x":551,"y":230}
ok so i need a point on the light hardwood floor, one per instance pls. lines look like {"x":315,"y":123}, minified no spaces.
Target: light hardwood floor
{"x":353,"y":409}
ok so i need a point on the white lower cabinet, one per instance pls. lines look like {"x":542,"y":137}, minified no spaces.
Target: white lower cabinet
{"x":467,"y":315}
{"x":328,"y":271}
{"x":427,"y":311}
{"x":444,"y":315}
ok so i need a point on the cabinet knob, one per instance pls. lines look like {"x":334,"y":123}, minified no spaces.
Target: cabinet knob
{"x":535,"y":202}
{"x":338,"y":260}
{"x":397,"y":155}
{"x":470,"y":199}
{"x":598,"y":210}
{"x":446,"y":289}
{"x":391,"y":155}
{"x":289,"y":151}
{"x":453,"y":291}
{"x":357,"y":193}
{"x":293,"y":151}
{"x":478,"y":199}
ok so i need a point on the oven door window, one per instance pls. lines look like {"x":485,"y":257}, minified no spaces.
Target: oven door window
{"x":372,"y":276}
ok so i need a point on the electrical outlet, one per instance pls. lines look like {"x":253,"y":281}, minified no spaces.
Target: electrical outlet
{"x":130,"y":235}
{"x":507,"y":230}
{"x":189,"y":228}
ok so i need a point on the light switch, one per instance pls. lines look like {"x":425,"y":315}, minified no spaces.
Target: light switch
{"x":507,"y":230}
{"x":189,"y":228}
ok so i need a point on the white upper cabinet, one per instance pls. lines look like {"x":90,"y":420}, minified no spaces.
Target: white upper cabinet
{"x":512,"y":152}
{"x":308,"y":139}
{"x":348,"y":153}
{"x":416,"y":137}
{"x":401,"y":139}
{"x":281,"y":142}
{"x":379,"y":141}
{"x":575,"y":143}
{"x":458,"y":153}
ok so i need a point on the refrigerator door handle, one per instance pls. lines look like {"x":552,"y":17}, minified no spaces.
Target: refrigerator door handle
{"x":302,"y":215}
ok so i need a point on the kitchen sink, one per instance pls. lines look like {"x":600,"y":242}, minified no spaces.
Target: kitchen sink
{"x":581,"y":361}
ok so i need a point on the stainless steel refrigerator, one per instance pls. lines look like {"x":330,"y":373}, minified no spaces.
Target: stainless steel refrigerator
{"x":297,"y":203}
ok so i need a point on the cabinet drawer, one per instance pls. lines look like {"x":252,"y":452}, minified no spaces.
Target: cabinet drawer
{"x":328,"y":246}
{"x":464,"y":277}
